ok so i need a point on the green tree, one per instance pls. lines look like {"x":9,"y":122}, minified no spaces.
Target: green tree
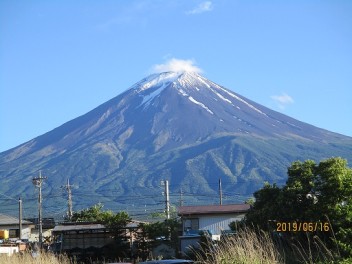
{"x":115,"y":222}
{"x":96,"y":214}
{"x":265,"y":200}
{"x":150,"y":234}
{"x":314,"y":193}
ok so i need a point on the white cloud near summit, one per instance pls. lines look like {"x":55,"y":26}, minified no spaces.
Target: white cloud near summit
{"x":201,"y":8}
{"x":282,"y":100}
{"x":177,"y":65}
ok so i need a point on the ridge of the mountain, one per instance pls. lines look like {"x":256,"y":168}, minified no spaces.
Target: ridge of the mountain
{"x":178,"y":126}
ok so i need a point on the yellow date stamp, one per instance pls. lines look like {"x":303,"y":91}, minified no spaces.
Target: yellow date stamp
{"x":302,"y":226}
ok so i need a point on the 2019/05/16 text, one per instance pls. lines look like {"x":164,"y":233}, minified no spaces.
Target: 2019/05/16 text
{"x":302,"y":227}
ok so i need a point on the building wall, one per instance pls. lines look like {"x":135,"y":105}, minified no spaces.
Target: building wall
{"x":35,"y":234}
{"x":14,"y":231}
{"x":83,"y":239}
{"x":26,"y":233}
{"x":188,"y":242}
{"x":8,"y":250}
{"x":214,"y":223}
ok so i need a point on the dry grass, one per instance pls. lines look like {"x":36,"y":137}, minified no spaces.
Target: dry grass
{"x":247,"y":247}
{"x":27,"y":258}
{"x":313,"y":251}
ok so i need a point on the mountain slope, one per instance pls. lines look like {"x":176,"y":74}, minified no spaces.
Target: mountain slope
{"x":176,"y":126}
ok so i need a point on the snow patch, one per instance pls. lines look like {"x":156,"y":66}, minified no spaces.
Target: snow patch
{"x":202,"y":81}
{"x":292,"y":125}
{"x":181,"y":91}
{"x":148,"y":98}
{"x":243,"y":101}
{"x":201,"y":104}
{"x":223,"y":98}
{"x":156,"y":80}
{"x":159,"y":79}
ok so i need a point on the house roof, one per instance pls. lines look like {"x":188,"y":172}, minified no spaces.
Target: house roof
{"x":134,"y":224}
{"x":88,"y":226}
{"x":10,"y":220}
{"x":47,"y":222}
{"x":213,"y":209}
{"x":72,"y":227}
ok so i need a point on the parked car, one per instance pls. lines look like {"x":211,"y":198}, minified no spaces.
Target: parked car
{"x":168,"y":261}
{"x":121,"y":263}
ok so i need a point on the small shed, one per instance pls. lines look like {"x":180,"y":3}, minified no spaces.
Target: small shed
{"x":92,"y":240}
{"x":11,"y":224}
{"x":80,"y":236}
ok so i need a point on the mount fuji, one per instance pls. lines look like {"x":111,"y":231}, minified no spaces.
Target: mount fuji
{"x":177,"y":126}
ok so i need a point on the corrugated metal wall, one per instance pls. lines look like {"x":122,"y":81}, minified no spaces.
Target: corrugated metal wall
{"x":217,"y":223}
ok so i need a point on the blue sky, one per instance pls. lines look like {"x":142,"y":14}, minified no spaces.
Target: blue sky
{"x":60,"y":59}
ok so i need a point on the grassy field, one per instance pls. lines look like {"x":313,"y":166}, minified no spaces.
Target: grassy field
{"x":258,"y":247}
{"x":247,"y":247}
{"x":27,"y":258}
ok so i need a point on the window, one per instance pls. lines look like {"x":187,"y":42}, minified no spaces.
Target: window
{"x":13,"y":233}
{"x":191,"y":224}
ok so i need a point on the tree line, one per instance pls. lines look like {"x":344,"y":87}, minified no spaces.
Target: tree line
{"x":313,"y":210}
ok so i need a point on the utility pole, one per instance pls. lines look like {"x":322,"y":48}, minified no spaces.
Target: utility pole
{"x":167,"y":198}
{"x":220,"y":191}
{"x":20,"y":218}
{"x":38,"y":182}
{"x":181,"y":197}
{"x":68,"y":187}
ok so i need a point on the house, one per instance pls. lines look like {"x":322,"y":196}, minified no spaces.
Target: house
{"x":213,"y":219}
{"x":47,"y":226}
{"x":80,"y":235}
{"x":89,"y":239}
{"x":12,"y":225}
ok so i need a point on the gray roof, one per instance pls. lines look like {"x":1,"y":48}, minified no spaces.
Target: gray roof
{"x":10,"y":220}
{"x":213,"y":209}
{"x":134,"y":224}
{"x":88,"y":226}
{"x":73,"y":227}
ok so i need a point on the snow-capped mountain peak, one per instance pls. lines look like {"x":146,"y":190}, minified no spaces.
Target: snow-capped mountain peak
{"x":192,"y":86}
{"x":174,"y":125}
{"x":155,"y":80}
{"x":163,"y":79}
